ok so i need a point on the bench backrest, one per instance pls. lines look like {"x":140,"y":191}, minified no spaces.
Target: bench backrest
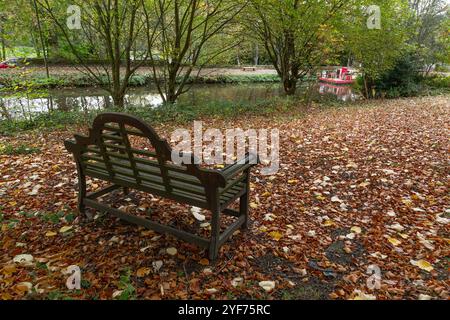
{"x":115,"y":152}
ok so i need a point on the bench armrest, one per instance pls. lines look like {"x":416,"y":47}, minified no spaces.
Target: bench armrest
{"x":239,"y":166}
{"x":79,"y":141}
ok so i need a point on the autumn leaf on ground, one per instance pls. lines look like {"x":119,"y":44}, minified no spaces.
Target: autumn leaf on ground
{"x":171,"y":251}
{"x":276,"y":235}
{"x":142,"y":272}
{"x":65,"y":229}
{"x":204,"y":262}
{"x":50,"y":234}
{"x":423,"y":264}
{"x":394,"y":241}
{"x":356,"y":229}
{"x":267,"y":285}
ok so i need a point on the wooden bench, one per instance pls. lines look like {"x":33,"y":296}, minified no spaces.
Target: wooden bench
{"x":108,"y":153}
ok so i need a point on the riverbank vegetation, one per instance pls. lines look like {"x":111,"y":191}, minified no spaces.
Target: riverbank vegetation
{"x":394,"y":45}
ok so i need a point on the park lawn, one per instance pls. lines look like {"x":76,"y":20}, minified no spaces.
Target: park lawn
{"x":360,"y":186}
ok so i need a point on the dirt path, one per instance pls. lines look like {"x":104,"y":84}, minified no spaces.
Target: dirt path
{"x":61,"y":70}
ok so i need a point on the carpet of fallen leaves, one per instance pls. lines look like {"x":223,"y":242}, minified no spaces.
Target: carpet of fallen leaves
{"x":359,"y":188}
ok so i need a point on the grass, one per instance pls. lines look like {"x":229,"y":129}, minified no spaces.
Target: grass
{"x":177,"y":113}
{"x":23,"y":81}
{"x":21,"y":149}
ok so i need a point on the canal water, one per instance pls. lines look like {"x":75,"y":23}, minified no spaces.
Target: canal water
{"x":85,"y":99}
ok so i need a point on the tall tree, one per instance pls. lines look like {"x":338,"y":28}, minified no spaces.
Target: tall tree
{"x":178,"y":32}
{"x":430,"y":19}
{"x":295,"y":34}
{"x":377,"y":49}
{"x":41,"y":37}
{"x":111,"y":29}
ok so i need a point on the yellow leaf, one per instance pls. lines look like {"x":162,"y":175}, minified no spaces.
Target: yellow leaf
{"x":394,"y":241}
{"x":253,"y":205}
{"x":423,"y":264}
{"x":292,"y":181}
{"x":356,"y":229}
{"x":65,"y":229}
{"x":328,"y":223}
{"x":404,"y":236}
{"x":142,"y":272}
{"x":50,"y":234}
{"x":266,"y":194}
{"x":276,"y":235}
{"x":320,"y":197}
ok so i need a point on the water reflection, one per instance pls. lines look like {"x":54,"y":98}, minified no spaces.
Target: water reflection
{"x":341,"y":92}
{"x":85,"y":99}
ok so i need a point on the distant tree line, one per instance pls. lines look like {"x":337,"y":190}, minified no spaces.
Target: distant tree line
{"x":178,"y":38}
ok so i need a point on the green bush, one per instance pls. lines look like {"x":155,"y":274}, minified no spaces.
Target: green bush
{"x":438,"y":82}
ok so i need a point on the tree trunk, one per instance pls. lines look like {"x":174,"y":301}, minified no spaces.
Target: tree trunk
{"x":42,"y":38}
{"x":290,"y":86}
{"x":3,"y":47}
{"x":118,"y":100}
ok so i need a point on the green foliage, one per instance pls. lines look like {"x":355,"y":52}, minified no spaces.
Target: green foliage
{"x":438,"y":82}
{"x":21,"y":149}
{"x":402,"y":81}
{"x":377,"y":50}
{"x":128,"y":290}
{"x":35,"y":81}
{"x":179,"y":113}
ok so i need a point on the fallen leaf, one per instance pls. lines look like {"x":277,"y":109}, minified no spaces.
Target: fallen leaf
{"x":65,"y":229}
{"x":267,"y":285}
{"x":197,"y":215}
{"x":423,"y":264}
{"x":204,"y":262}
{"x":50,"y":234}
{"x":157,"y":265}
{"x":356,"y":229}
{"x":142,"y":272}
{"x":276,"y":235}
{"x":24,"y":259}
{"x":171,"y":251}
{"x":394,"y":241}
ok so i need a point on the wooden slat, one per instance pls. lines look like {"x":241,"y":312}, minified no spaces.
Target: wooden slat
{"x":129,"y":131}
{"x":99,"y":193}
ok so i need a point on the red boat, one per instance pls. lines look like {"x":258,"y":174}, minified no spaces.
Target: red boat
{"x":340,"y":76}
{"x":7,"y":64}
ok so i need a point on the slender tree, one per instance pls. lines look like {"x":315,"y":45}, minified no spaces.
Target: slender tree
{"x":178,"y":32}
{"x":111,"y":29}
{"x":295,"y":34}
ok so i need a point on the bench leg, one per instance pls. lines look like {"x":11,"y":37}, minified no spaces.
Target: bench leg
{"x":243,"y":208}
{"x":81,"y":193}
{"x":244,"y":201}
{"x":215,"y":234}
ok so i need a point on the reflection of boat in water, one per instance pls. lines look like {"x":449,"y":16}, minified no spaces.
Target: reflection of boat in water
{"x":344,"y":93}
{"x":339,"y":76}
